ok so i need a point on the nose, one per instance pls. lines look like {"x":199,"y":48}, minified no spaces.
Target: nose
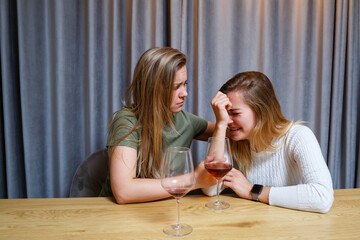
{"x":183,"y":93}
{"x":230,"y":120}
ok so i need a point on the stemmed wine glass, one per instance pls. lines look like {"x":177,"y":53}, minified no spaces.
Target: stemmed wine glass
{"x":218,"y":163}
{"x":177,"y":178}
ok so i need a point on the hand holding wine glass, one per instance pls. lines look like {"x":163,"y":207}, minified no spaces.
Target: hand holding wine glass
{"x":218,"y":163}
{"x":177,"y":178}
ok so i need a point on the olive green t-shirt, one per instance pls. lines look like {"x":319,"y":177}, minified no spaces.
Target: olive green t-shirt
{"x":187,"y":126}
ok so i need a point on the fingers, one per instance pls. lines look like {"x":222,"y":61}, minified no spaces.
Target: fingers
{"x":233,"y":175}
{"x":235,"y":172}
{"x":210,"y":157}
{"x":221,"y":100}
{"x":221,"y":104}
{"x":227,"y":178}
{"x":227,"y":184}
{"x":223,"y":160}
{"x":218,"y":95}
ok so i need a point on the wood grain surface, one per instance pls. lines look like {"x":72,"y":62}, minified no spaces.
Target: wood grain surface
{"x":102,"y":218}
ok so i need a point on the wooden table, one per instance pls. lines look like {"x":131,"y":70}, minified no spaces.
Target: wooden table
{"x":101,"y":218}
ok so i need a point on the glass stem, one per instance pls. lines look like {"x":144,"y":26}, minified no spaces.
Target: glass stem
{"x":217,"y":190}
{"x":178,"y":213}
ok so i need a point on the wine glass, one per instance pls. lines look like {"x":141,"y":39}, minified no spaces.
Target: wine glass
{"x":218,"y":163}
{"x":177,"y":178}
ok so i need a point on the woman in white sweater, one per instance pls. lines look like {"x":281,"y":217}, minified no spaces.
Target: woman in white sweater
{"x":276,"y":161}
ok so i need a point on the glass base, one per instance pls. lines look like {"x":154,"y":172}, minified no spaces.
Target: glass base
{"x":217,"y":205}
{"x":177,"y":229}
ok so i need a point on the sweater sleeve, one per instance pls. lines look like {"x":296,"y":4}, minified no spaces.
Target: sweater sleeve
{"x":315,"y":193}
{"x":211,"y":191}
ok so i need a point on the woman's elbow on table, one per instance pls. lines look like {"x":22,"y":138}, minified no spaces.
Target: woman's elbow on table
{"x":119,"y":198}
{"x":211,"y":191}
{"x":122,"y":196}
{"x":324,"y":199}
{"x":307,"y":197}
{"x":327,"y":201}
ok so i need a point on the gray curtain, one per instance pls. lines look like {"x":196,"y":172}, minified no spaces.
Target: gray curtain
{"x":66,"y":64}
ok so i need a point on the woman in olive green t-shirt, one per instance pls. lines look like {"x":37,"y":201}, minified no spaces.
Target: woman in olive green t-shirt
{"x":152,"y":120}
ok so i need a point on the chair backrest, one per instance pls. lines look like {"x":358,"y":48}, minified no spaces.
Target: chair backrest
{"x":90,"y":175}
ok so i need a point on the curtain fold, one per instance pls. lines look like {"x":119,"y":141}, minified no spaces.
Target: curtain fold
{"x":65,"y":66}
{"x":12,"y":169}
{"x":344,"y":117}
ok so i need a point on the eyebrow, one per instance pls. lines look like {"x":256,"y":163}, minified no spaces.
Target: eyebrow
{"x":179,"y":83}
{"x":234,"y":109}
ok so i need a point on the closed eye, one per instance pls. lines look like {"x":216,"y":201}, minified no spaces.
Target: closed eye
{"x":234,"y":113}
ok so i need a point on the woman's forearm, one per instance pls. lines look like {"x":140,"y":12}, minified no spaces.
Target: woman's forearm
{"x":139,"y":190}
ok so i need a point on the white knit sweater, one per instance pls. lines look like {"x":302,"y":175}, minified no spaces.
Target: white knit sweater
{"x":297,"y":173}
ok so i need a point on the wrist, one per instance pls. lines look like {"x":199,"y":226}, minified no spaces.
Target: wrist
{"x":196,"y":185}
{"x":264,"y":196}
{"x":220,"y":130}
{"x":222,"y":125}
{"x":249,"y":193}
{"x":256,"y":191}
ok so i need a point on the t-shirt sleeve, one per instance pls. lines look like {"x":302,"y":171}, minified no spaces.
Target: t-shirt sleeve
{"x":121,"y":125}
{"x":199,"y":125}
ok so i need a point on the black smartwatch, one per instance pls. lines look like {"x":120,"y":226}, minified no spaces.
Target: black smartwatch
{"x":255,"y":191}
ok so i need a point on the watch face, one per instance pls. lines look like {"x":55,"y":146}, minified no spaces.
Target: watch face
{"x":256,"y":188}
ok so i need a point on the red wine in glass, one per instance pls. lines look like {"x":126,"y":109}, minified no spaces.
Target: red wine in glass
{"x":178,"y":193}
{"x":219,"y":169}
{"x":177,"y":178}
{"x":218,"y":163}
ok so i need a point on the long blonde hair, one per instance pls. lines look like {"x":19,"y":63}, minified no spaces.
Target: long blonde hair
{"x":149,"y":99}
{"x":271,"y":124}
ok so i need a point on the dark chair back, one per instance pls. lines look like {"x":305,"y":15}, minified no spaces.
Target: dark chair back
{"x":90,"y":175}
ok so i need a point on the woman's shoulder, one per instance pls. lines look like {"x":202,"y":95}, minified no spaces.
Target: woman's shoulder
{"x":186,"y":118}
{"x":299,"y":129}
{"x":183,"y":114}
{"x":124,"y":113}
{"x":299,"y":133}
{"x":189,"y":116}
{"x":124,"y":117}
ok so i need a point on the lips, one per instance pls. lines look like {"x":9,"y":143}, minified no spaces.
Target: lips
{"x":233,"y":130}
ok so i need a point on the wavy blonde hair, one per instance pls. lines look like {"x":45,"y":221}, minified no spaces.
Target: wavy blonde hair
{"x":270,"y":124}
{"x":149,"y":99}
